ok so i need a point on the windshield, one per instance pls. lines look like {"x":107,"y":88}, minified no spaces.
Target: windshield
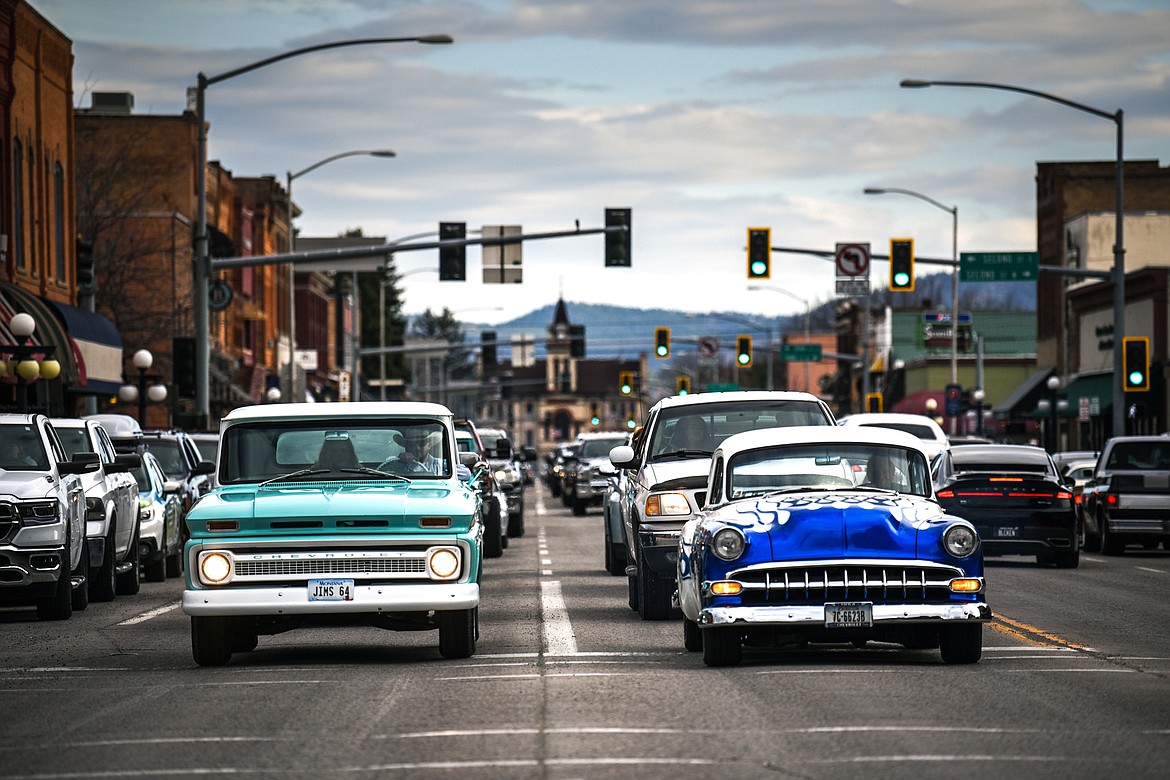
{"x":699,"y":428}
{"x":598,"y":448}
{"x":334,"y":449}
{"x":825,"y":466}
{"x":168,"y":455}
{"x":22,"y":449}
{"x":207,"y":448}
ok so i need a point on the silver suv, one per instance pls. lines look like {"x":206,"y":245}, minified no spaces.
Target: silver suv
{"x":666,"y":475}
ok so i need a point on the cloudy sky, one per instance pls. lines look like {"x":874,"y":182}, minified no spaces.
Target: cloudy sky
{"x":703,"y":116}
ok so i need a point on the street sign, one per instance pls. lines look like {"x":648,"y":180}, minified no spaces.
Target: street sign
{"x":850,"y":287}
{"x":219,"y":295}
{"x":708,"y":346}
{"x":954,"y":400}
{"x":800,"y":352}
{"x":724,"y":387}
{"x":853,"y":260}
{"x":999,"y":266}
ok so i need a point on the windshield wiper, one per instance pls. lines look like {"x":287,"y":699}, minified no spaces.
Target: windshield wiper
{"x":684,"y":454}
{"x":374,"y":473}
{"x":294,"y":475}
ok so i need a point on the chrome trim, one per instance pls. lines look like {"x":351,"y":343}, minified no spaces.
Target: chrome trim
{"x":814,"y":616}
{"x":294,"y":600}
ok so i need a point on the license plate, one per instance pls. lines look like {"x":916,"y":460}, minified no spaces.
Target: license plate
{"x":851,"y":614}
{"x":330,"y":590}
{"x":1007,"y":533}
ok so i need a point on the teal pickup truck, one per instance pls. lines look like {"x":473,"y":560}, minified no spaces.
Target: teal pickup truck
{"x":340,"y":513}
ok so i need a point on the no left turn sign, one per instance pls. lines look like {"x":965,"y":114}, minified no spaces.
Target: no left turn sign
{"x":853,"y":260}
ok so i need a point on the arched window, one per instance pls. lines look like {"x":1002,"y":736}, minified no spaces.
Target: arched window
{"x":59,"y":218}
{"x":18,"y":203}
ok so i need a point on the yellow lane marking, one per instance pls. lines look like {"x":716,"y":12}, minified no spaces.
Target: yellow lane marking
{"x":1030,"y":634}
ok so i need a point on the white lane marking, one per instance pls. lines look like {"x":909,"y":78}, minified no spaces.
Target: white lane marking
{"x":546,"y":561}
{"x":940,"y":759}
{"x":1073,"y":671}
{"x":1155,"y":571}
{"x":1010,"y":649}
{"x":546,"y":572}
{"x":145,"y":616}
{"x":555,"y":627}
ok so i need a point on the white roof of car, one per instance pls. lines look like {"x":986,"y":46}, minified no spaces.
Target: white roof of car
{"x":343,"y":409}
{"x":601,"y":435}
{"x":817,"y":434}
{"x":734,"y":395}
{"x":895,"y":418}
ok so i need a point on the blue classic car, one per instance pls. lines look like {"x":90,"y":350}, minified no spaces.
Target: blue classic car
{"x":828,"y":535}
{"x":327,"y":514}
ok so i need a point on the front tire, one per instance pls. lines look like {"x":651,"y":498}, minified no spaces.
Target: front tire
{"x":1110,"y":543}
{"x":1068,"y":559}
{"x":457,"y":630}
{"x":692,"y":636}
{"x":104,"y":580}
{"x":211,"y":640}
{"x":962,"y":644}
{"x":129,"y":582}
{"x":653,"y":595}
{"x":722,"y":647}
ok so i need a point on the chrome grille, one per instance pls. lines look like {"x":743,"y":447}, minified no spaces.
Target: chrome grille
{"x":880,"y":582}
{"x":367,"y":564}
{"x":292,"y":568}
{"x":9,"y":521}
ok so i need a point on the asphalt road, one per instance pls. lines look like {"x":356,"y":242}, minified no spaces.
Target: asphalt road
{"x":569,"y":683}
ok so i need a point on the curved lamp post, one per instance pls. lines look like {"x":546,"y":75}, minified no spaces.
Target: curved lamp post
{"x":202,"y":258}
{"x":954,"y":210}
{"x":23,"y":363}
{"x":1118,"y":273}
{"x":292,"y":267}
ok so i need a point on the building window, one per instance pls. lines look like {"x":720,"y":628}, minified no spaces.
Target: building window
{"x":59,"y":219}
{"x":18,"y":203}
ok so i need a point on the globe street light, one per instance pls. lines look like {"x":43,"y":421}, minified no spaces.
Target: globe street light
{"x":24,"y":363}
{"x":292,"y":267}
{"x":1118,"y":274}
{"x":202,"y":258}
{"x":954,"y":210}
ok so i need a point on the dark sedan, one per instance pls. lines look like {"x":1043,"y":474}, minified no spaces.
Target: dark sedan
{"x":1015,"y":498}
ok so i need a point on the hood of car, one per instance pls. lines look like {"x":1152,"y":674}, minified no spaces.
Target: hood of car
{"x":811,"y":526}
{"x":688,"y":472}
{"x":342,"y":508}
{"x":25,"y":484}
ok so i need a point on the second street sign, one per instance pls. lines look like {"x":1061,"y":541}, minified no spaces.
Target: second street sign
{"x":999,"y":266}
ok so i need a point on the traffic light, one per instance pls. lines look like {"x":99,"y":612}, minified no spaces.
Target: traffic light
{"x":759,"y":253}
{"x":452,"y":259}
{"x":617,"y":242}
{"x":662,"y":342}
{"x":86,"y":278}
{"x":873,"y":402}
{"x":901,"y":265}
{"x":626,"y":382}
{"x":682,"y":385}
{"x":183,"y":360}
{"x":1136,"y":354}
{"x":743,"y":351}
{"x":487,"y":347}
{"x":594,"y":414}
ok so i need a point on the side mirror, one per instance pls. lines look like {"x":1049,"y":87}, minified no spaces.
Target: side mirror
{"x":125,"y":463}
{"x":204,"y":467}
{"x":81,"y":463}
{"x":173,"y":487}
{"x":623,"y":457}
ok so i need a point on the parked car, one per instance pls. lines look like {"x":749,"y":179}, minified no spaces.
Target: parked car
{"x":43,"y":554}
{"x":329,"y":514}
{"x":667,"y":475}
{"x":505,"y":463}
{"x":160,"y":519}
{"x":495,"y":502}
{"x":1127,"y":500}
{"x":1014,"y":496}
{"x":592,"y":473}
{"x":789,"y":549}
{"x":111,"y":508}
{"x":933,"y":438}
{"x":208,"y":446}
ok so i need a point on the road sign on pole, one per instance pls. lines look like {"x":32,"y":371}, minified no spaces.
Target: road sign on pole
{"x":999,"y":266}
{"x":800,"y":352}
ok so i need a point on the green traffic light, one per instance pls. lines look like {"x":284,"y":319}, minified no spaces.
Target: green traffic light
{"x":743,"y":359}
{"x":662,"y":350}
{"x":901,"y":279}
{"x":759,"y":268}
{"x":1137,"y":378}
{"x":595,"y":420}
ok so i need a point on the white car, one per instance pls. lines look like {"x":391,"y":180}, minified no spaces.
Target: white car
{"x":931,"y":436}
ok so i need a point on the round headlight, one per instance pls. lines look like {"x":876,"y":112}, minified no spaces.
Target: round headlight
{"x":727,"y":544}
{"x":215,"y":567}
{"x":444,"y":563}
{"x":960,"y":541}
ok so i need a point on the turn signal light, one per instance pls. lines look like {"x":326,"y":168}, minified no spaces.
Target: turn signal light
{"x":726,"y":588}
{"x":223,"y":525}
{"x":966,"y":585}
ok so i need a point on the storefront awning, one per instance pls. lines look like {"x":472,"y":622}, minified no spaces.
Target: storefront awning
{"x":1022,"y":401}
{"x":99,"y":349}
{"x":1097,"y":389}
{"x":50,"y":329}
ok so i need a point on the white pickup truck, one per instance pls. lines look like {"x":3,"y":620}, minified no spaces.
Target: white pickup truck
{"x":42,"y":519}
{"x":111,"y":508}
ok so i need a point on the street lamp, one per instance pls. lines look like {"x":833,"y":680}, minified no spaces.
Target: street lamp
{"x":807,"y":312}
{"x":977,"y":395}
{"x":24,"y":363}
{"x":292,"y":267}
{"x":156,"y":392}
{"x":1118,"y":274}
{"x":202,"y":258}
{"x":954,"y":210}
{"x":273,"y":395}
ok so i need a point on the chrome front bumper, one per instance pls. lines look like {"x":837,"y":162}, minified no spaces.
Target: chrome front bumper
{"x":294,"y":600}
{"x":814,"y":616}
